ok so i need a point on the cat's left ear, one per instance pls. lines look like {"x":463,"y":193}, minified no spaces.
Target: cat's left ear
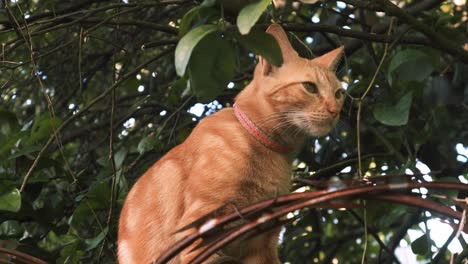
{"x":331,"y":59}
{"x":287,"y":51}
{"x":279,"y":34}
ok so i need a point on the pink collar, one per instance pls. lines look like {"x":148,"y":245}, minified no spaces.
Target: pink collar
{"x":258,"y":134}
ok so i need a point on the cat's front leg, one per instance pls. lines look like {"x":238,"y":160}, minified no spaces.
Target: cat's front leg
{"x":214,"y":259}
{"x":191,"y":252}
{"x":196,"y":211}
{"x":263,"y":249}
{"x":266,"y":256}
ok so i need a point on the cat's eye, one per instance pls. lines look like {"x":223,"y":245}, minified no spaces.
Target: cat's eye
{"x":310,"y":87}
{"x":339,"y":93}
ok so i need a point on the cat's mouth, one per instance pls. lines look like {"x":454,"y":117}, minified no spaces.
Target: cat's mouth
{"x":320,"y":127}
{"x":316,"y":125}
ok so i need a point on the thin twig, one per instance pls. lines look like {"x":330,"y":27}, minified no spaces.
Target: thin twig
{"x":383,"y":38}
{"x":86,"y":108}
{"x":358,"y":135}
{"x":439,"y":40}
{"x":361,"y":99}
{"x":375,"y":235}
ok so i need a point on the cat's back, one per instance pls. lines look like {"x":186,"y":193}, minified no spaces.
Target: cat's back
{"x":218,"y":131}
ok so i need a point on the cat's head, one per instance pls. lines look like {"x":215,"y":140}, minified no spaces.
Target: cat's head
{"x":306,"y":91}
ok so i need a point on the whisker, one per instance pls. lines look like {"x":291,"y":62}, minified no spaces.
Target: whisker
{"x":273,"y":117}
{"x":281,"y":125}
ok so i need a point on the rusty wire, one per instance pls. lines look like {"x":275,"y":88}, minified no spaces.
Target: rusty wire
{"x":14,"y":256}
{"x":263,"y":216}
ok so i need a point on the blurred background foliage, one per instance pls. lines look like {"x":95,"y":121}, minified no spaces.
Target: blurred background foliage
{"x":94,"y":92}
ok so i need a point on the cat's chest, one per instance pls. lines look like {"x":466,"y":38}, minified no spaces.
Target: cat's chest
{"x":266,"y":177}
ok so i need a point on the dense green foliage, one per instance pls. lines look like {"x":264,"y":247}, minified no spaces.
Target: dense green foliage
{"x":94,"y":92}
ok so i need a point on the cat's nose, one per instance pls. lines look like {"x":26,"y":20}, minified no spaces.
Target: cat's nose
{"x":333,"y":113}
{"x":333,"y":109}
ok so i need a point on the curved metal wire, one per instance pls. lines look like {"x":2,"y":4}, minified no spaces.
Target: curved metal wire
{"x":272,"y":211}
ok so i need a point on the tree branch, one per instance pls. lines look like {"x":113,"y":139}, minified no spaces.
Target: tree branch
{"x":154,"y":26}
{"x":312,"y":28}
{"x":440,"y":41}
{"x":376,"y":237}
{"x":92,"y":103}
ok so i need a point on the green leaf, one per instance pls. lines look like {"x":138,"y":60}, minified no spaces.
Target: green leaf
{"x":249,"y":15}
{"x":148,"y":143}
{"x":211,"y":68}
{"x":43,"y":127}
{"x":8,"y":143}
{"x":97,"y":198}
{"x":92,"y":243}
{"x":208,"y":3}
{"x":10,"y":200}
{"x":196,"y":17}
{"x":394,"y":115}
{"x":11,"y":228}
{"x":8,"y":123}
{"x":420,"y":246}
{"x":71,"y":254}
{"x":122,"y":187}
{"x":438,"y":91}
{"x":187,"y":44}
{"x":186,"y":21}
{"x":119,"y":157}
{"x":177,"y":89}
{"x":24,"y":151}
{"x":53,"y":241}
{"x":263,"y":44}
{"x":410,"y":65}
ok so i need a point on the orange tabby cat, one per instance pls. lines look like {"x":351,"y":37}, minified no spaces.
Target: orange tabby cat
{"x":237,"y":156}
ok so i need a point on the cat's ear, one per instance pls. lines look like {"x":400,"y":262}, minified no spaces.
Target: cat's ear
{"x":331,"y":59}
{"x":265,"y":66}
{"x":287,"y":51}
{"x":278,"y":33}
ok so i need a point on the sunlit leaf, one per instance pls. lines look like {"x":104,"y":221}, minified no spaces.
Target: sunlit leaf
{"x":187,"y":44}
{"x":11,"y":228}
{"x":249,"y":15}
{"x":10,"y":200}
